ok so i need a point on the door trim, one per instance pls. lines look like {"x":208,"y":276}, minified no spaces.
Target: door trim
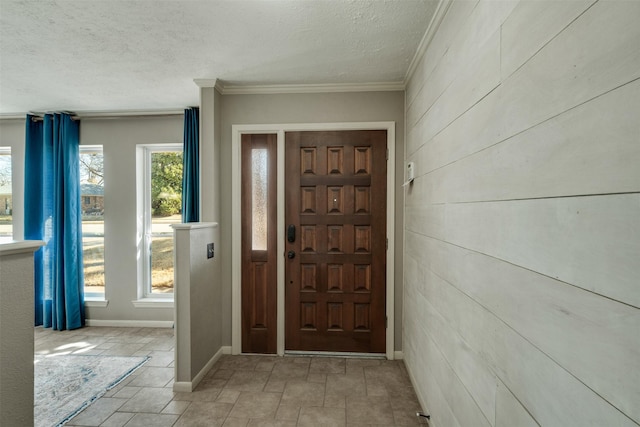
{"x":236,"y":231}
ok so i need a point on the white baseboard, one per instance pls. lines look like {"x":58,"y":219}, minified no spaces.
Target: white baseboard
{"x":189,"y":386}
{"x":182,"y":387}
{"x":226,"y":349}
{"x":131,"y":323}
{"x":398,"y":355}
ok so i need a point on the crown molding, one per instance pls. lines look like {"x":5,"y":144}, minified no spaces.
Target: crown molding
{"x":13,"y":116}
{"x":209,"y":83}
{"x":308,"y":88}
{"x":436,"y":20}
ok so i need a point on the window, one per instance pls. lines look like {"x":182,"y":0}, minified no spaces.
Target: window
{"x":161,"y":186}
{"x":92,"y":194}
{"x":6,"y":204}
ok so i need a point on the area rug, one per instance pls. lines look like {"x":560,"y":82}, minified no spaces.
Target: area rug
{"x":64,"y":385}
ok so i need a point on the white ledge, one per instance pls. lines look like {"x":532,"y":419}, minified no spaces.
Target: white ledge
{"x":194,"y":225}
{"x":94,"y":302}
{"x":153,"y":303}
{"x":18,"y":246}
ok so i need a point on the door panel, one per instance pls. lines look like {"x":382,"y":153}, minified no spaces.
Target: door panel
{"x":259,"y":269}
{"x":336,"y":198}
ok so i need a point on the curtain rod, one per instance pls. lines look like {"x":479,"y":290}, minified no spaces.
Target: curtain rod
{"x":37,"y":116}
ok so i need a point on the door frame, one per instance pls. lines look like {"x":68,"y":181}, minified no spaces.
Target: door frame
{"x":236,"y":229}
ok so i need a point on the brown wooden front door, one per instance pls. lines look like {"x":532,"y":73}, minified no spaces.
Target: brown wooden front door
{"x":335,"y":285}
{"x":258,"y":246}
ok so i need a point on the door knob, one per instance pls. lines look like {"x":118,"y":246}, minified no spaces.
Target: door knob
{"x":291,"y":254}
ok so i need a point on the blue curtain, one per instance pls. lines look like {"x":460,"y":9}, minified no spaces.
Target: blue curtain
{"x":191,"y":166}
{"x":52,"y":214}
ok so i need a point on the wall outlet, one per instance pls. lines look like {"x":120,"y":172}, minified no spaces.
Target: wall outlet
{"x":210,"y":251}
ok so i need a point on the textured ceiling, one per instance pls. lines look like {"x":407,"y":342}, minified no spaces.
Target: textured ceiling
{"x":105,"y":55}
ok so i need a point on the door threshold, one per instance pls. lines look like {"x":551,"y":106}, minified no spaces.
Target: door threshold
{"x":345,"y":354}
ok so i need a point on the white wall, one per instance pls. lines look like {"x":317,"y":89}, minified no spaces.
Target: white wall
{"x":522,"y":228}
{"x":198,"y":304}
{"x":119,"y":138}
{"x":16,"y":332}
{"x":12,"y":134}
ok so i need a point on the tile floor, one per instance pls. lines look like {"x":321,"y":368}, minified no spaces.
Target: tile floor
{"x":239,"y":390}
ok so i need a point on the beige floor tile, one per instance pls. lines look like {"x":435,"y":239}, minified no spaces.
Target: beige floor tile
{"x":356,"y":366}
{"x":271,"y":423}
{"x":247,"y":381}
{"x":333,"y":401}
{"x":148,"y":400}
{"x":239,"y":363}
{"x":290,"y":371}
{"x":275,"y":385}
{"x":312,"y":417}
{"x":204,"y":414}
{"x":317,"y":378}
{"x":408,"y":418}
{"x":158,"y":358}
{"x":327,"y":365}
{"x":119,"y":419}
{"x":159,"y":344}
{"x":176,"y":407}
{"x":122,"y":349}
{"x":287,"y":412}
{"x":155,"y":420}
{"x":208,"y":395}
{"x":298,"y":360}
{"x":302,"y":393}
{"x":239,"y":390}
{"x":153,"y":377}
{"x":265,"y":366}
{"x":256,"y":405}
{"x":235,"y":422}
{"x":228,"y":396}
{"x":131,"y":339}
{"x":366,"y":409}
{"x":126,"y":392}
{"x":223,"y":373}
{"x":96,"y":413}
{"x":404,"y":399}
{"x":343,"y":385}
{"x":376,"y":388}
{"x":210,"y":382}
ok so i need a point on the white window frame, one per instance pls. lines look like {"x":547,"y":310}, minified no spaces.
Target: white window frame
{"x":95,"y":300}
{"x":6,"y":150}
{"x":147,"y":298}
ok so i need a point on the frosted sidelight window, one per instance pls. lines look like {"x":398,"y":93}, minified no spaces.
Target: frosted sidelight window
{"x":259,"y":201}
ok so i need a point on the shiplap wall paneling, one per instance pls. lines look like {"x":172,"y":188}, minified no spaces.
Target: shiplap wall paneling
{"x":455,"y":17}
{"x":551,"y":394}
{"x":589,"y":242}
{"x":597,"y":53}
{"x":522,"y":228}
{"x":512,"y":413}
{"x":590,"y":149}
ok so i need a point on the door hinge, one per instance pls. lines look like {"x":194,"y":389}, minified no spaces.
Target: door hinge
{"x":386,"y":322}
{"x":387,"y":154}
{"x":387,"y":243}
